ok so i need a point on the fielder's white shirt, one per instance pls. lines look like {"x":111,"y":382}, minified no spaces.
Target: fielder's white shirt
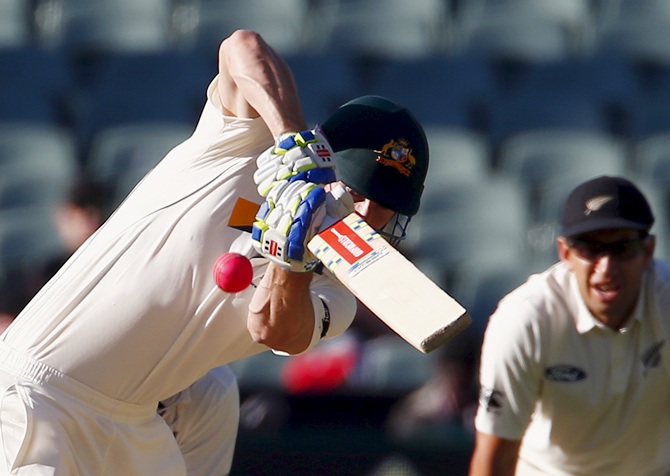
{"x":135,"y":314}
{"x":584,"y":399}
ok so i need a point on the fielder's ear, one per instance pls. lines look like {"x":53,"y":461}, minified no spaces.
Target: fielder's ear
{"x":564,"y":251}
{"x":649,"y":248}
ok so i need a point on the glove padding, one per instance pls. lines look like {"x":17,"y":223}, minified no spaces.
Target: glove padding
{"x":307,"y":153}
{"x":288,"y":219}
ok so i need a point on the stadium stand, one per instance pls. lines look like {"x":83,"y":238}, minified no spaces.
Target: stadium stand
{"x":85,"y":27}
{"x":15,"y":23}
{"x":36,"y":86}
{"x":454,"y":223}
{"x":171,"y":88}
{"x":511,"y":92}
{"x":120,"y":156}
{"x":383,"y":28}
{"x":457,"y":155}
{"x":283,"y":23}
{"x":549,"y":154}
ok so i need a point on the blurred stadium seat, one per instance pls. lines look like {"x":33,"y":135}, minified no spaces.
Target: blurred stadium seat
{"x":650,"y":117}
{"x":638,"y":30}
{"x":390,"y":366}
{"x":549,"y":154}
{"x":128,"y":89}
{"x":651,"y":159}
{"x":516,"y":35}
{"x":480,"y":284}
{"x":36,"y":86}
{"x":259,"y":372}
{"x":658,"y":197}
{"x":486,"y":219}
{"x":382,"y":28}
{"x":635,"y":9}
{"x":121,"y":156}
{"x":85,"y":27}
{"x":456,"y":155}
{"x":439,"y":90}
{"x":609,"y":82}
{"x":37,"y":151}
{"x":27,"y":238}
{"x":574,"y":17}
{"x":15,"y":23}
{"x":324,"y":83}
{"x":530,"y":109}
{"x":27,"y":191}
{"x":641,"y":40}
{"x":206,"y":23}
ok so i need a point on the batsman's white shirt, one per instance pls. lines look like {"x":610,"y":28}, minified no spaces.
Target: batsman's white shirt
{"x":134,"y":316}
{"x":587,"y":400}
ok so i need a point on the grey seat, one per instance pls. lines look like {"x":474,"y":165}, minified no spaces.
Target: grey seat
{"x":121,"y":156}
{"x":104,"y":26}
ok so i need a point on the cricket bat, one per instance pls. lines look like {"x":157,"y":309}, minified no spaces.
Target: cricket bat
{"x":390,"y":285}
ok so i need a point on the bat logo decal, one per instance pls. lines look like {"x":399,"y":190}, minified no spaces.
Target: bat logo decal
{"x":348,"y":244}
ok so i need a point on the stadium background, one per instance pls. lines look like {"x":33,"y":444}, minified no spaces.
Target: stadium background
{"x":522,"y":99}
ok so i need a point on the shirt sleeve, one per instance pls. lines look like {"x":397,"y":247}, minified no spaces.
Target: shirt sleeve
{"x":510,"y":371}
{"x":338,"y":305}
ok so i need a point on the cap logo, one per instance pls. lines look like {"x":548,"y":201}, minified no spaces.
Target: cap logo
{"x":397,"y":154}
{"x":596,"y":203}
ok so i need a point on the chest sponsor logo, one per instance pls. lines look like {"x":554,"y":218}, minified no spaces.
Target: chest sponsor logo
{"x":564,"y":373}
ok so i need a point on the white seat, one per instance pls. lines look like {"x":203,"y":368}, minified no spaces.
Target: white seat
{"x":121,"y":156}
{"x":456,"y":155}
{"x":382,"y":28}
{"x":537,"y":156}
{"x":15,"y":23}
{"x":488,"y":219}
{"x":38,"y":151}
{"x":573,"y":16}
{"x":282,"y":23}
{"x":101,"y":26}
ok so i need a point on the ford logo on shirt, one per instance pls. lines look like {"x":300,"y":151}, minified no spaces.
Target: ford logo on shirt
{"x":564,"y":373}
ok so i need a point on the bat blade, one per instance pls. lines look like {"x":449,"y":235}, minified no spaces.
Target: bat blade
{"x":390,"y":285}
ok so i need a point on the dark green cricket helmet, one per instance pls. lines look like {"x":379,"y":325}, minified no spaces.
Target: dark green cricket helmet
{"x":381,"y":152}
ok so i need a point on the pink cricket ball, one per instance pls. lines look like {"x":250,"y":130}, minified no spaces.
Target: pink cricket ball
{"x":233,"y":272}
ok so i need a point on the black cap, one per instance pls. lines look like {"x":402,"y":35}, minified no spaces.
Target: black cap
{"x":604,"y":203}
{"x":381,"y":151}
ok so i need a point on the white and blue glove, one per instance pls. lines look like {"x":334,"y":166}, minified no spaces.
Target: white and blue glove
{"x":306,"y":153}
{"x":289,"y":218}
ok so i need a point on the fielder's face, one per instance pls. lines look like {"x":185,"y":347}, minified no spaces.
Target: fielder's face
{"x":608,"y":265}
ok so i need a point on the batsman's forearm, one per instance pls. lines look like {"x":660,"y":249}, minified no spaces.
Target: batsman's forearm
{"x":281,"y":314}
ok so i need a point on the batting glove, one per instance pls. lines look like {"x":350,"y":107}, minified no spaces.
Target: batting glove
{"x":288,"y":219}
{"x":307,"y":153}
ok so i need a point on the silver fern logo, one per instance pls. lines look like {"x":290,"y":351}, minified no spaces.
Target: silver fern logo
{"x":596,"y":203}
{"x":651,"y":358}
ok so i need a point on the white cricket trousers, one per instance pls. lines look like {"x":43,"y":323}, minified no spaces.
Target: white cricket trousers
{"x":51,"y":424}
